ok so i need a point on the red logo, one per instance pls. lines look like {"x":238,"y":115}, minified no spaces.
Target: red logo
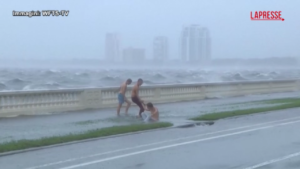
{"x":266,"y":15}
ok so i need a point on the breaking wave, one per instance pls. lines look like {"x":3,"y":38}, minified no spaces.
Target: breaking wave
{"x":62,"y":79}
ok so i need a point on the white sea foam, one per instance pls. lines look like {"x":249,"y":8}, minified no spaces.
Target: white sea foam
{"x":27,"y":79}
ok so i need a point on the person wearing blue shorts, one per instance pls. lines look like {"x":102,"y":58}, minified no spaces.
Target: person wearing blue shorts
{"x":122,"y":98}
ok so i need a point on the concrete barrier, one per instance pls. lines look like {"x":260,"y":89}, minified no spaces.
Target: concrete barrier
{"x":48,"y":101}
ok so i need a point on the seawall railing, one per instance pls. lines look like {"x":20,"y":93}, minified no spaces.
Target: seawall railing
{"x":14,"y":103}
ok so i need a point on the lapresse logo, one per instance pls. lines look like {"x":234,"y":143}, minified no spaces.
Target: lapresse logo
{"x":266,"y":16}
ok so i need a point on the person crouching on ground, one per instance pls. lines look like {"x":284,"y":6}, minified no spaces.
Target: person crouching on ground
{"x":154,"y":117}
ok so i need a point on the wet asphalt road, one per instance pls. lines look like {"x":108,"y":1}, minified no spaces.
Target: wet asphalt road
{"x":34,"y":127}
{"x":262,"y":141}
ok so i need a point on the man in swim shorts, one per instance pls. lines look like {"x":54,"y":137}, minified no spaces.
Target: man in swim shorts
{"x":135,"y":96}
{"x":122,"y":98}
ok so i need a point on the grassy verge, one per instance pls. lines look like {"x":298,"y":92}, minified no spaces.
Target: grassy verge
{"x":271,"y":101}
{"x":220,"y":115}
{"x":278,"y":101}
{"x":25,"y":144}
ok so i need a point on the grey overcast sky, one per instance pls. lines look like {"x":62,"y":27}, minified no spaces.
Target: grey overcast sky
{"x":81,"y":34}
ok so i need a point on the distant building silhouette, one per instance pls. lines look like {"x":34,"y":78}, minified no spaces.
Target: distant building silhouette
{"x":133,"y":55}
{"x":160,"y":48}
{"x":195,"y":44}
{"x":112,"y":47}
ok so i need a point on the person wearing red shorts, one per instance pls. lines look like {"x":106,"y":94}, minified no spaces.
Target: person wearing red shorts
{"x":135,"y":96}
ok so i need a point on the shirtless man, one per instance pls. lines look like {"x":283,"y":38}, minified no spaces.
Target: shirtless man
{"x":154,"y":117}
{"x":122,"y":98}
{"x":135,"y":96}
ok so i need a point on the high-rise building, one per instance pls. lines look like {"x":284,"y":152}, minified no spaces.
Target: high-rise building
{"x":195,"y":44}
{"x":112,"y":47}
{"x":160,"y":48}
{"x":133,"y":55}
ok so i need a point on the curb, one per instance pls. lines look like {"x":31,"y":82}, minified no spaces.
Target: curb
{"x":100,"y":138}
{"x":194,"y":124}
{"x":80,"y":141}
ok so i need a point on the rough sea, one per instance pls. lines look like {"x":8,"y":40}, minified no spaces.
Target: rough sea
{"x":37,"y":79}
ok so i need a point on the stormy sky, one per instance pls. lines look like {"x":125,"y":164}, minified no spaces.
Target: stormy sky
{"x":81,"y":34}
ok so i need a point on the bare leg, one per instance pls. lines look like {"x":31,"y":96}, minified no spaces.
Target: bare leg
{"x":128,"y":105}
{"x":140,"y":113}
{"x":142,"y":109}
{"x":118,"y":110}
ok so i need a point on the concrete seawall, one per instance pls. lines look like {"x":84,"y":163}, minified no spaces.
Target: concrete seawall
{"x":47,"y":101}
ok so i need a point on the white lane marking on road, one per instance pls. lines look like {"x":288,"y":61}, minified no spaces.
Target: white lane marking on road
{"x":156,"y":143}
{"x":173,"y":145}
{"x":274,"y":161}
